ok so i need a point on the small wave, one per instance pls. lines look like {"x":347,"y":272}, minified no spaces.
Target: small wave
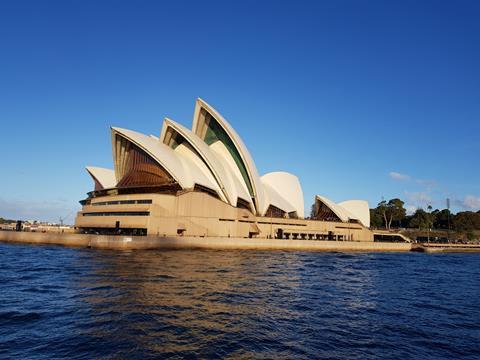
{"x":165,"y":277}
{"x":9,"y":317}
{"x":39,"y":290}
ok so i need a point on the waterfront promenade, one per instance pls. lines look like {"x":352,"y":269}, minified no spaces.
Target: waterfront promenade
{"x":180,"y":242}
{"x":122,"y":242}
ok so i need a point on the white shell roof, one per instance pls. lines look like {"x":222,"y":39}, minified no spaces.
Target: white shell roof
{"x":289,"y":187}
{"x":349,"y":210}
{"x":229,"y":188}
{"x":239,"y":187}
{"x":359,"y":208}
{"x":241,"y":148}
{"x":106,"y":177}
{"x":342,"y":213}
{"x":275,"y":199}
{"x":181,"y":168}
{"x":191,"y":160}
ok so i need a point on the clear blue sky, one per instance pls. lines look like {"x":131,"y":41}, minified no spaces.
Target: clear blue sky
{"x":359,"y":99}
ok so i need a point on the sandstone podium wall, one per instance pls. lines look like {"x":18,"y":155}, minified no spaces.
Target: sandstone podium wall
{"x":179,"y":242}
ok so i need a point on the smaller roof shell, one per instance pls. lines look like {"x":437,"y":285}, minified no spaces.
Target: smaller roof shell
{"x":359,"y":208}
{"x":288,"y":187}
{"x":105,"y":177}
{"x":277,"y":200}
{"x":338,"y":210}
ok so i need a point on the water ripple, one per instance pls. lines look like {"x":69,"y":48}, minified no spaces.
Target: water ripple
{"x":76,"y":303}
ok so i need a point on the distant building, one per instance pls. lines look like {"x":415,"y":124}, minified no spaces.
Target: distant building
{"x":204,"y":182}
{"x":36,"y":226}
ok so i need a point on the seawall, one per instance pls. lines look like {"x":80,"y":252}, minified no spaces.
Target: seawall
{"x":178,"y":242}
{"x":438,"y":248}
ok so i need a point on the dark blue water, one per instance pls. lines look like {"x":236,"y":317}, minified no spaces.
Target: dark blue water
{"x":82,"y":304}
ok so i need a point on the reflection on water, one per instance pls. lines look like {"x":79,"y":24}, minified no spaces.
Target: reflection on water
{"x":59,"y":302}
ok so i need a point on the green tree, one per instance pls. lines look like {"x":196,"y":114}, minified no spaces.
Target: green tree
{"x":421,"y":219}
{"x":441,"y":218}
{"x":376,"y":218}
{"x":313,"y":211}
{"x":466,"y":221}
{"x":392,"y":210}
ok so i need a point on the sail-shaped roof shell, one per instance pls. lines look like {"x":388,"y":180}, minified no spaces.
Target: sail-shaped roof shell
{"x":245,"y":163}
{"x":105,"y":177}
{"x":185,"y":172}
{"x":229,"y":186}
{"x":359,"y":208}
{"x":342,"y":213}
{"x":288,"y":187}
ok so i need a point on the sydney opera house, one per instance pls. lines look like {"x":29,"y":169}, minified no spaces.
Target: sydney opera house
{"x":203,"y":182}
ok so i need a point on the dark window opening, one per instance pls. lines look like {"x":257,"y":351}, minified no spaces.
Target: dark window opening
{"x":118,"y":213}
{"x":323,"y":212}
{"x":122,"y":202}
{"x":114,"y":231}
{"x":205,"y":189}
{"x":173,"y":138}
{"x":275,"y":212}
{"x":143,"y":201}
{"x":243,"y":204}
{"x":292,"y":215}
{"x":389,"y":238}
{"x":168,"y":189}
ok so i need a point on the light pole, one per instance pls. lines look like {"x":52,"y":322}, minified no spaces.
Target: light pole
{"x":429,"y":220}
{"x":448,"y":220}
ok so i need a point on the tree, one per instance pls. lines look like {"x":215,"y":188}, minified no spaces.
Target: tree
{"x":392,"y":210}
{"x":5,"y":221}
{"x":382,"y":210}
{"x":421,"y":219}
{"x":441,"y":218}
{"x":376,"y":218}
{"x":466,"y":221}
{"x":313,"y":211}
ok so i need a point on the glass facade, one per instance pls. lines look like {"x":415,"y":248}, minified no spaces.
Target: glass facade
{"x":324,"y":213}
{"x":139,"y":169}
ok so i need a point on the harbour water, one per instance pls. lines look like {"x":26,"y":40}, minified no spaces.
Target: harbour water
{"x":58,"y":302}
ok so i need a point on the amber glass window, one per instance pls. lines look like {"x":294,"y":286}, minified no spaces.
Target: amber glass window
{"x":142,"y":170}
